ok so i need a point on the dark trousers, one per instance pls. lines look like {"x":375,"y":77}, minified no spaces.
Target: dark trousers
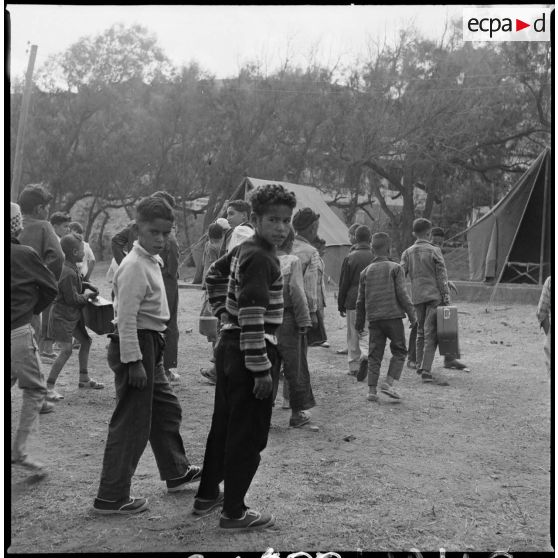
{"x":171,"y":335}
{"x":293,"y":349}
{"x":152,"y":413}
{"x":413,"y":348}
{"x":381,"y":330}
{"x":239,"y":427}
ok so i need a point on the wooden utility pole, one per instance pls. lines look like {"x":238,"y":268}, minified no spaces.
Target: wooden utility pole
{"x":18,"y":159}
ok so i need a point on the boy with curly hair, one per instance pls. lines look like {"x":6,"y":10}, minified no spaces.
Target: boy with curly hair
{"x":245,"y":290}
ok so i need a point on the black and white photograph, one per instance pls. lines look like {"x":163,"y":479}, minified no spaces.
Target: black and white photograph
{"x":280,"y":279}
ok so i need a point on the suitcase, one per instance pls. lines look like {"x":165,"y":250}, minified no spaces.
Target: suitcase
{"x":98,"y":315}
{"x":448,"y":335}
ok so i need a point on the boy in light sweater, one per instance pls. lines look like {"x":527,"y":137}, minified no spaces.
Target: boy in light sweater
{"x":146,"y":408}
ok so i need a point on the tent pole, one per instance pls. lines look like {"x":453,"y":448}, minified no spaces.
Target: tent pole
{"x":543,"y":230}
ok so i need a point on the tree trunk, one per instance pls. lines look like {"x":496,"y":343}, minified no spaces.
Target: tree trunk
{"x":91,"y":216}
{"x":100,"y":242}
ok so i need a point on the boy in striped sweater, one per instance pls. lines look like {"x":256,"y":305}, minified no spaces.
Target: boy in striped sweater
{"x":245,"y":290}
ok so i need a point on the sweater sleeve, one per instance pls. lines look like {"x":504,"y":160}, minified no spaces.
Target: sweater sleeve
{"x":217,"y":281}
{"x":255,"y":279}
{"x":441,"y":274}
{"x":402,"y":295}
{"x":47,"y":288}
{"x":119,"y":243}
{"x":361,"y":303}
{"x":343,"y":285}
{"x":311,"y":282}
{"x":296,"y":290}
{"x":131,"y":290}
{"x":68,"y":287}
{"x":53,"y":257}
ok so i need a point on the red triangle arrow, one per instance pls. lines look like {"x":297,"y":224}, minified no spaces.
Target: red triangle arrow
{"x":519,"y":25}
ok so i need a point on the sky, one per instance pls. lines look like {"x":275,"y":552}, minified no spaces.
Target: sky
{"x":222,"y":38}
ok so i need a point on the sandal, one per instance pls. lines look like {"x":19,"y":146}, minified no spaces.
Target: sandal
{"x":91,"y":384}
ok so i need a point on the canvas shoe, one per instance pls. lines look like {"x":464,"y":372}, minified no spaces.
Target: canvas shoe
{"x":299,"y":419}
{"x":53,"y":395}
{"x":209,"y":375}
{"x":372,"y":397}
{"x":342,"y":352}
{"x":388,"y":390}
{"x":193,"y":474}
{"x":47,"y":407}
{"x":456,"y":364}
{"x":426,"y":377}
{"x":251,"y":519}
{"x":36,"y":467}
{"x":204,"y":507}
{"x":127,"y":506}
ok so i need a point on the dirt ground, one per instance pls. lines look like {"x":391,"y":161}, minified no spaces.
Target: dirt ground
{"x":464,"y":467}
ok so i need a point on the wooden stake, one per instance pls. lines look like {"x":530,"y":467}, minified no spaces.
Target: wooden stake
{"x":545,"y":203}
{"x":18,"y":159}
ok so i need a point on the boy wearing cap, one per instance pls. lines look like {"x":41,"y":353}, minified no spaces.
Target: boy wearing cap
{"x":424,"y":264}
{"x":32,"y":288}
{"x":353,"y":264}
{"x":40,"y":235}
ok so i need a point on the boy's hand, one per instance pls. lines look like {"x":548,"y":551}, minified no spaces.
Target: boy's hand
{"x":263,"y":386}
{"x":446,"y":300}
{"x":342,"y":313}
{"x":224,"y":318}
{"x":452,"y":287}
{"x":136,"y":375}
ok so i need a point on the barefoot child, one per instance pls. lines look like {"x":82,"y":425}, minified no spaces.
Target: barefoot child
{"x":245,"y":291}
{"x":66,"y":318}
{"x":146,"y":407}
{"x":384,"y":301}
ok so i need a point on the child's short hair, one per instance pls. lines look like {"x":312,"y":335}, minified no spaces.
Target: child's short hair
{"x":242,"y":206}
{"x":169,"y":198}
{"x":58,"y":218}
{"x":76,"y":227}
{"x":421,"y":225}
{"x":287,"y":245}
{"x":353,"y":228}
{"x":152,"y":208}
{"x":271,"y":194}
{"x":363,"y":234}
{"x":32,"y":196}
{"x":69,"y":243}
{"x":381,"y":241}
{"x":214,"y":231}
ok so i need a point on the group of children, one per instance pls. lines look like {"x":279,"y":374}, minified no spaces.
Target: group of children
{"x":259,"y":292}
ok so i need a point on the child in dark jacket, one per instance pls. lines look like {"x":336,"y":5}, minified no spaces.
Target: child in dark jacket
{"x":66,"y":317}
{"x":245,"y":291}
{"x":384,"y":301}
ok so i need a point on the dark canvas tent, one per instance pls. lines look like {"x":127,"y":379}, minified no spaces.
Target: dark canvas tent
{"x":513,"y":241}
{"x":331,"y":229}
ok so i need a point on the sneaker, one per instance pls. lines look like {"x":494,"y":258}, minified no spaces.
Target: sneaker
{"x":209,"y":375}
{"x":91,"y":384}
{"x":372,"y":397}
{"x":36,"y":467}
{"x":300,"y":419}
{"x":173,"y":377}
{"x":193,"y":474}
{"x":455,"y":364}
{"x":125,"y":507}
{"x":411,"y":364}
{"x":286,"y":404}
{"x":53,"y":395}
{"x":250,"y":520}
{"x":342,"y":352}
{"x":426,"y":377}
{"x":203,"y":507}
{"x":325,"y":344}
{"x":46,"y":408}
{"x":388,"y":390}
{"x":362,"y":370}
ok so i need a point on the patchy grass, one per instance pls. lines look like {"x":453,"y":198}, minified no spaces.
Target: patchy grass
{"x":465,"y":467}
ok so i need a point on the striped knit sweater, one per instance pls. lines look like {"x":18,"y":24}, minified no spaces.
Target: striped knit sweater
{"x":247,"y":284}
